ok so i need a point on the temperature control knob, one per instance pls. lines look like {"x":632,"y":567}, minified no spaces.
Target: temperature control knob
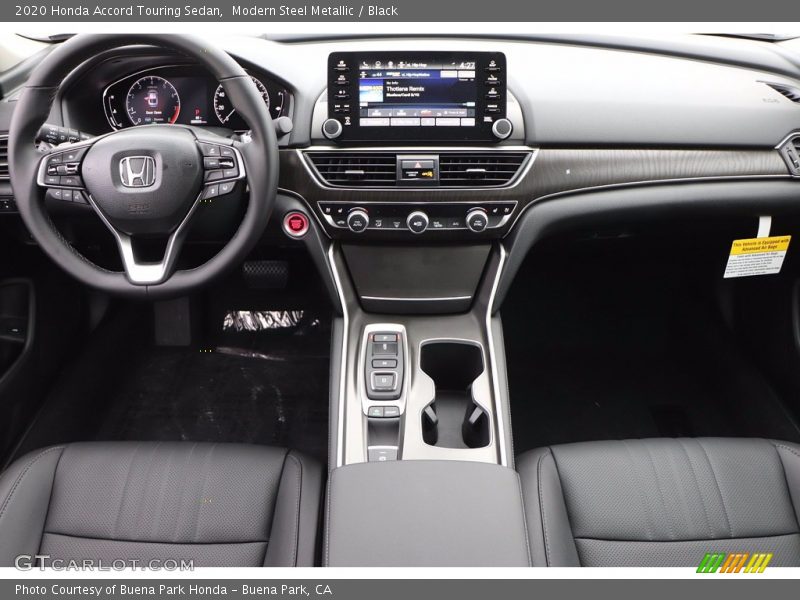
{"x":477,"y":220}
{"x":331,"y":129}
{"x":417,"y":221}
{"x":358,"y":220}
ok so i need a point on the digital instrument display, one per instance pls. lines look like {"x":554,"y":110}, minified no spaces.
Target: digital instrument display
{"x":384,"y":96}
{"x":185,"y":95}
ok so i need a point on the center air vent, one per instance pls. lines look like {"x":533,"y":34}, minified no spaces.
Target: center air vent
{"x":356,"y":169}
{"x":450,"y":169}
{"x":468,"y":169}
{"x":4,"y":158}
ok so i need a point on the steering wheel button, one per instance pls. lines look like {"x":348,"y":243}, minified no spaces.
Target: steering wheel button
{"x":211,"y":191}
{"x":226,"y":188}
{"x":77,"y":196}
{"x":56,"y":194}
{"x":213,"y":175}
{"x":52,"y":180}
{"x":226,"y":151}
{"x":210,"y":149}
{"x":210,"y":163}
{"x":73,"y":155}
{"x":71,"y":181}
{"x":230,"y":173}
{"x":54,"y":159}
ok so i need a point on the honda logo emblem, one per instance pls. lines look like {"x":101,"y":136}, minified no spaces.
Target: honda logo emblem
{"x":137,"y":171}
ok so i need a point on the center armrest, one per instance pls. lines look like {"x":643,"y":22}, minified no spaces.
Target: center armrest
{"x":425,"y":513}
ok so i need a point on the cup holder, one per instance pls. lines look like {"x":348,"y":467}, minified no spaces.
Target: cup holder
{"x":453,"y":419}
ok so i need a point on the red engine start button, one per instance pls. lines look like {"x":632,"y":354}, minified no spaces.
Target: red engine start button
{"x":295,"y":224}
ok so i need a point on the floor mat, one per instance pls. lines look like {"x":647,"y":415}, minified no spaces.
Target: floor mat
{"x":266,"y":387}
{"x":612,"y":345}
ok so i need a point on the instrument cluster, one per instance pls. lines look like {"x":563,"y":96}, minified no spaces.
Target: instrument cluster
{"x":183,"y":94}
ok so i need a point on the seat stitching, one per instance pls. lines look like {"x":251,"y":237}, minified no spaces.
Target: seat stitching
{"x":785,"y":447}
{"x":699,"y":491}
{"x":541,"y":506}
{"x":124,"y":494}
{"x":297,"y":510}
{"x":21,"y":476}
{"x":786,"y":478}
{"x":138,"y":541}
{"x":651,"y":529}
{"x":751,"y":537}
{"x":667,"y":513}
{"x":719,"y":489}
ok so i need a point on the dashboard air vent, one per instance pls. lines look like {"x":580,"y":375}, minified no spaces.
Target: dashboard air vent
{"x":356,"y":169}
{"x":790,"y":153}
{"x":4,"y":158}
{"x":468,"y":169}
{"x":792,"y":93}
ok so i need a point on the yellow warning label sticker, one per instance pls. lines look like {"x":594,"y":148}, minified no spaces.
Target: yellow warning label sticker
{"x":757,"y":256}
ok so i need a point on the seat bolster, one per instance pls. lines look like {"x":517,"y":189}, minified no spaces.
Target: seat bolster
{"x":295,"y":526}
{"x":25,"y":490}
{"x":549,"y":530}
{"x":790,"y":459}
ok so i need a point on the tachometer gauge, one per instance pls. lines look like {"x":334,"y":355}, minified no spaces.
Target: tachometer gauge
{"x":152,"y":99}
{"x":223,"y":107}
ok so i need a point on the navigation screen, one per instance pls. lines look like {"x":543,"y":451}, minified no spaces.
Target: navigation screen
{"x":415,"y":96}
{"x":416,"y":93}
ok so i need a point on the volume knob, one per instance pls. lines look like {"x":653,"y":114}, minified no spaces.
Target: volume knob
{"x":331,"y":129}
{"x":502,"y":129}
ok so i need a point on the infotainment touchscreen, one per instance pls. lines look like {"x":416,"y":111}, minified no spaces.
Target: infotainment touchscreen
{"x":419,"y":96}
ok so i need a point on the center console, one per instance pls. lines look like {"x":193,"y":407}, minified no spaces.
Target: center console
{"x":417,"y":171}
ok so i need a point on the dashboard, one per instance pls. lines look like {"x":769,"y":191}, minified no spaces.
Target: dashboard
{"x":452,"y":140}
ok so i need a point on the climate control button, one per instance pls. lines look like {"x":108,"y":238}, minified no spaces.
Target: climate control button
{"x":477,"y":220}
{"x":417,"y":222}
{"x":357,"y":220}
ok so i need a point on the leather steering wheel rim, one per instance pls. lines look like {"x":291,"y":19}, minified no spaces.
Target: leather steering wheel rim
{"x":260,"y":156}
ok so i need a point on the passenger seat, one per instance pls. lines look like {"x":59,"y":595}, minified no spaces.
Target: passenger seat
{"x":661,"y":502}
{"x":219,"y":505}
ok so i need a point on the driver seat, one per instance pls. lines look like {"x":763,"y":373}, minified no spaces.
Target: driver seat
{"x":220,"y":505}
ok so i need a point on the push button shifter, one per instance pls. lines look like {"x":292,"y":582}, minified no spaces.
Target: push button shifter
{"x":385,"y":366}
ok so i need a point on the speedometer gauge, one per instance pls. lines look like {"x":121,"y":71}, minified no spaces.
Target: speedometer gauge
{"x":223,"y":107}
{"x":152,"y":99}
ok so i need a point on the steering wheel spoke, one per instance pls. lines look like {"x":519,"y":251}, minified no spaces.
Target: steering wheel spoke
{"x":59,"y":172}
{"x":148,"y":272}
{"x":223,"y":166}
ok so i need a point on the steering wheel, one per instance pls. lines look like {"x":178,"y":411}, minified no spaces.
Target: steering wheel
{"x":146,"y":181}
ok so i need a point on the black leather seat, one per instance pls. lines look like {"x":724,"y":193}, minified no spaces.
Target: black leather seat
{"x":661,"y":502}
{"x":215,"y":504}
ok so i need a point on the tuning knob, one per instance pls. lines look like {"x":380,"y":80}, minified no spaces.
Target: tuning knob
{"x":417,"y":221}
{"x":358,"y":220}
{"x":331,"y":129}
{"x":477,"y":220}
{"x":502,"y":128}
